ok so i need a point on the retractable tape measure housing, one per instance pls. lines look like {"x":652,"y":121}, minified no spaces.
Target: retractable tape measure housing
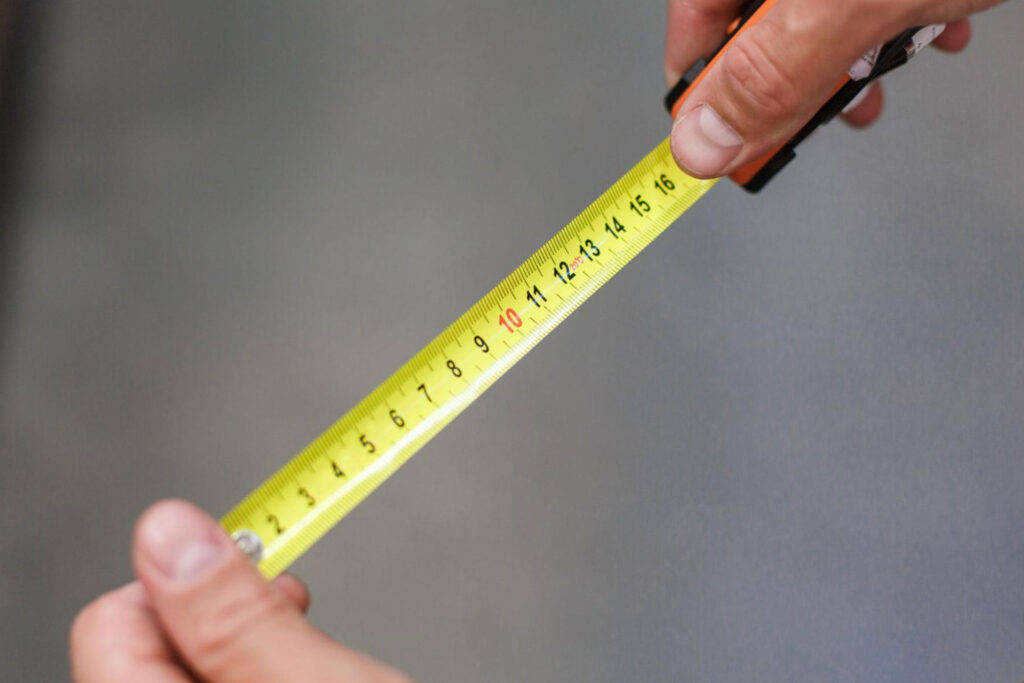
{"x":278,"y":521}
{"x":875,"y":64}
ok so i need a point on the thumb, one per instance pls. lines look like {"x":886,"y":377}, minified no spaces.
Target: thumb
{"x":225,"y":620}
{"x":771,"y":80}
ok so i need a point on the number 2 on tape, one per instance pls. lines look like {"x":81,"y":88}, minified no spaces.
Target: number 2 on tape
{"x":278,"y":521}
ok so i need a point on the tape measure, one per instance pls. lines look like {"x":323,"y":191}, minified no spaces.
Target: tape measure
{"x":846,"y":94}
{"x":278,"y":521}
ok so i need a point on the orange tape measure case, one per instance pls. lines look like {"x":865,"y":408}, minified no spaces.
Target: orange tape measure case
{"x":756,"y":174}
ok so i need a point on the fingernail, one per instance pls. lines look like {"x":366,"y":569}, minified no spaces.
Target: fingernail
{"x":703,"y":143}
{"x":181,"y":541}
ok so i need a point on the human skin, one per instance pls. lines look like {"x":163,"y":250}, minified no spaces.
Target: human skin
{"x":200,"y":610}
{"x":780,"y":71}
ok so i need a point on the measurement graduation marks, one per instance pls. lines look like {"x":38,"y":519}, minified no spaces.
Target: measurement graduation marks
{"x":278,"y":521}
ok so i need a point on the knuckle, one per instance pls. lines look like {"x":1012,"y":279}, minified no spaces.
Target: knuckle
{"x":886,"y":11}
{"x":708,"y":11}
{"x":879,"y":20}
{"x":91,"y":621}
{"x":219,"y":639}
{"x":924,"y":11}
{"x":758,"y":79}
{"x":78,"y":635}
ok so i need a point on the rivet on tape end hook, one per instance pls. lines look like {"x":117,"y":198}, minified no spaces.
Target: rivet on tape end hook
{"x":249,"y":543}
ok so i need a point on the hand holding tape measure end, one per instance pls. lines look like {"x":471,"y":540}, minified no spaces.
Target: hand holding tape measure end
{"x":200,"y":610}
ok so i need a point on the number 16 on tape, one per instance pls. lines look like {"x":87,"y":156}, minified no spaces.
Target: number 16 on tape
{"x":278,"y":521}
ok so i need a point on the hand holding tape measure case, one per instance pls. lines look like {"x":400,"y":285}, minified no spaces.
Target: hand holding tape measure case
{"x":756,"y":174}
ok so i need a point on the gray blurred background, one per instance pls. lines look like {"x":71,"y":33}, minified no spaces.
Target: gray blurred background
{"x":784,"y":444}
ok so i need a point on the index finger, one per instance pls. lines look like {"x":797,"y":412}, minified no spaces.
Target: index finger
{"x":116,"y":639}
{"x":695,"y":29}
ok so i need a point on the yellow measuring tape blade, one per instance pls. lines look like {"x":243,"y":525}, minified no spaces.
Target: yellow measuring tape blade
{"x":295,"y":507}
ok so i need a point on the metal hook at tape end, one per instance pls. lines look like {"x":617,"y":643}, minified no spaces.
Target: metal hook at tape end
{"x":249,"y":543}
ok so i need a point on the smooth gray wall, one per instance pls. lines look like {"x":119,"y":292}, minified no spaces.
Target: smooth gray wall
{"x":785,"y":444}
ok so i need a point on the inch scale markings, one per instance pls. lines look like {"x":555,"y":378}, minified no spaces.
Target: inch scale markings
{"x":284,"y":516}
